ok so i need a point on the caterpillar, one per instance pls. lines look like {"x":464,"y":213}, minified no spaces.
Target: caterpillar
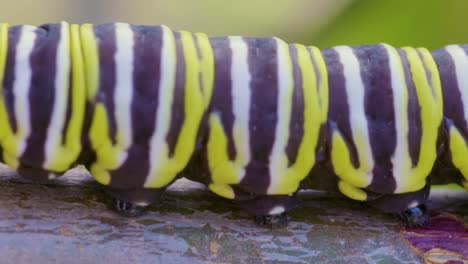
{"x":253,"y":119}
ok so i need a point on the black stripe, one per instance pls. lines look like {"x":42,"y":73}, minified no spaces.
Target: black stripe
{"x":42,"y":92}
{"x":263,"y":67}
{"x":296,"y":125}
{"x":199,"y":56}
{"x":427,"y":72}
{"x":414,"y":112}
{"x":318,"y":77}
{"x":178,"y":104}
{"x":146,"y":77}
{"x":106,"y":40}
{"x":222,"y":91}
{"x":69,"y":107}
{"x":338,"y":113}
{"x":380,"y":114}
{"x":453,"y":105}
{"x":14,"y":34}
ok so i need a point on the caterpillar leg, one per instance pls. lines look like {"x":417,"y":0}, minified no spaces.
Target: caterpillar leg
{"x":272,"y":221}
{"x":415,"y":216}
{"x":410,"y":207}
{"x":270,"y":210}
{"x":132,"y":202}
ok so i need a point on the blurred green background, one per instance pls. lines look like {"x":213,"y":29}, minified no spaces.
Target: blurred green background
{"x":322,"y":23}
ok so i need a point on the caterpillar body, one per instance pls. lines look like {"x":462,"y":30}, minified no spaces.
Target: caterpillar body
{"x":254,"y":119}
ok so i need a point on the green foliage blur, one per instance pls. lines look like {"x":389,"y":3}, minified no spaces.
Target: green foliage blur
{"x":427,"y":23}
{"x":323,"y":23}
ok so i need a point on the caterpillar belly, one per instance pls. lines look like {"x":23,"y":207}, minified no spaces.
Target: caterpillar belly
{"x":254,"y":119}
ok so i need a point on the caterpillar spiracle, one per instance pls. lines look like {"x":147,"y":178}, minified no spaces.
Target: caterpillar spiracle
{"x":254,"y":119}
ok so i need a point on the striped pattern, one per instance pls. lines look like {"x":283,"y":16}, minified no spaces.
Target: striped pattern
{"x":453,"y":66}
{"x":149,"y":97}
{"x":43,"y":99}
{"x":384,"y":118}
{"x":138,"y":104}
{"x":269,"y":102}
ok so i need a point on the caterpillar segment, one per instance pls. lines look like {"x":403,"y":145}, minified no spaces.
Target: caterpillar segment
{"x":43,"y":98}
{"x":452,"y":62}
{"x":254,"y":119}
{"x":269,"y":101}
{"x":384,"y":118}
{"x":150,"y":88}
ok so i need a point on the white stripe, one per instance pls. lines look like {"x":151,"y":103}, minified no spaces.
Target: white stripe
{"x":22,"y":83}
{"x":124,"y":85}
{"x":284,"y":105}
{"x":158,"y":144}
{"x":57,"y":122}
{"x":401,"y":157}
{"x":460,"y":61}
{"x":241,"y":97}
{"x":355,"y":92}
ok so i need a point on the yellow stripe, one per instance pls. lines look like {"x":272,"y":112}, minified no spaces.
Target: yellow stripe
{"x":73,"y":134}
{"x":431,"y":110}
{"x":65,"y":155}
{"x":4,"y":124}
{"x":110,"y":156}
{"x":3,"y":50}
{"x":195,"y":104}
{"x":223,"y":170}
{"x":323,"y":85}
{"x":459,"y":151}
{"x":342,"y":165}
{"x":206,"y":66}
{"x":105,"y":155}
{"x":351,"y":191}
{"x":91,"y":60}
{"x":431,"y":65}
{"x":313,"y":118}
{"x":7,"y":138}
{"x":222,"y":190}
{"x":340,"y":153}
